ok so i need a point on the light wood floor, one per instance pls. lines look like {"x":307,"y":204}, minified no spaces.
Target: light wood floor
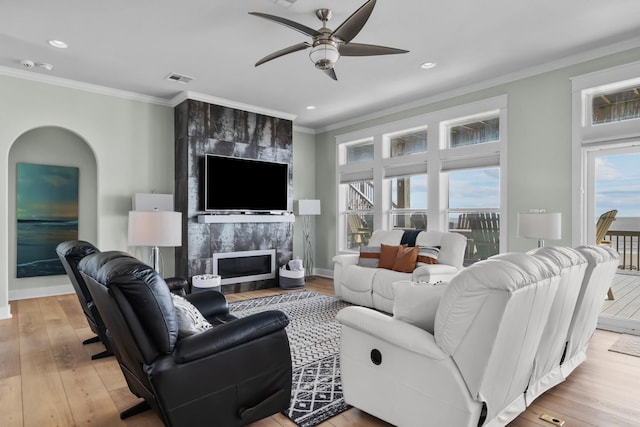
{"x":48,"y":379}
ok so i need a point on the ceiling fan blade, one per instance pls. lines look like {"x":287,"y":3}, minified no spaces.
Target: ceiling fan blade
{"x":359,"y":49}
{"x":331,"y":73}
{"x":353,"y":24}
{"x":288,"y":23}
{"x":282,"y":52}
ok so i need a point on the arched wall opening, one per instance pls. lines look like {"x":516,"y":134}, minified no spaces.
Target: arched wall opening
{"x":51,"y":145}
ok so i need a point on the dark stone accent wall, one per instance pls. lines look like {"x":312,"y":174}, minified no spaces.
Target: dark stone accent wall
{"x":202,"y":128}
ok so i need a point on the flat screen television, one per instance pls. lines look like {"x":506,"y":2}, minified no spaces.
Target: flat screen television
{"x":245,"y":185}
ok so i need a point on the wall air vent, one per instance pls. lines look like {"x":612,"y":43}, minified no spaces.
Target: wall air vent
{"x":180,"y":78}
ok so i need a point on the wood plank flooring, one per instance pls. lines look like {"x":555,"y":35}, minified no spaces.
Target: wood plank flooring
{"x":47,"y":377}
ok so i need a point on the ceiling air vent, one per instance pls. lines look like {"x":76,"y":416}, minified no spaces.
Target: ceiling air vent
{"x":180,"y":78}
{"x":284,"y":3}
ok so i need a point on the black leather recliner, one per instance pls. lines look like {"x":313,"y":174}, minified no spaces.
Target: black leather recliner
{"x":70,"y":254}
{"x":235,"y":373}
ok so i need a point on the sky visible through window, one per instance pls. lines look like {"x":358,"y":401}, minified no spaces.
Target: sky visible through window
{"x":474,"y":188}
{"x":468,"y":189}
{"x":618,"y":184}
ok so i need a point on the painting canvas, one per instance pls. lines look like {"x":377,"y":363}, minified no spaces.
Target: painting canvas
{"x":47,"y":214}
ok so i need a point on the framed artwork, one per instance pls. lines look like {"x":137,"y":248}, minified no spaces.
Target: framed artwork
{"x":47,"y":214}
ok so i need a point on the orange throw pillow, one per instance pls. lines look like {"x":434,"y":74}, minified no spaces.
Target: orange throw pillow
{"x":406,"y":259}
{"x":388,"y":256}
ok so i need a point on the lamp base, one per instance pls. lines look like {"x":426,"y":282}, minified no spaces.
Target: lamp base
{"x":155,"y":258}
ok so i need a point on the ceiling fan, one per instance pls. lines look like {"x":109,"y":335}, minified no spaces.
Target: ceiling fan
{"x":327,"y":46}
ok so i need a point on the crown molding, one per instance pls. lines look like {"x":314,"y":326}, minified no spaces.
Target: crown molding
{"x":303,"y":129}
{"x":503,"y":79}
{"x":86,"y":87}
{"x":195,"y":96}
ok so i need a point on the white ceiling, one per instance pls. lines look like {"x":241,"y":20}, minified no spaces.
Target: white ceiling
{"x":133,"y":45}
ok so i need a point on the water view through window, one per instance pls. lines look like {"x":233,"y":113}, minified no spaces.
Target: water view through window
{"x":617,"y":186}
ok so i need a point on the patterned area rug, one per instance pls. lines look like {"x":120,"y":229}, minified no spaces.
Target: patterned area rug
{"x":314,"y":338}
{"x":627,"y":344}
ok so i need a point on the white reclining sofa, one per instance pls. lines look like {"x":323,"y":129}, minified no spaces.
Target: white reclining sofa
{"x":357,"y":283}
{"x":478,"y":350}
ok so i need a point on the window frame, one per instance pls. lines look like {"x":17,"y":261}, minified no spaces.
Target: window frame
{"x":437,"y":155}
{"x":587,"y":138}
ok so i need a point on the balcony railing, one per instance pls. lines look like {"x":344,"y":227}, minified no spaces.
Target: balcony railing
{"x":626,"y":244}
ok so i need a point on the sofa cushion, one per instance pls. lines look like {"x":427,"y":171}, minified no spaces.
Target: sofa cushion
{"x":405,"y":261}
{"x":382,"y":290}
{"x":369,"y":256}
{"x":428,"y":254}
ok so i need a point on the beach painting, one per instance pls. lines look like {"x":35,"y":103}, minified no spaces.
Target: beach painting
{"x":47,"y":214}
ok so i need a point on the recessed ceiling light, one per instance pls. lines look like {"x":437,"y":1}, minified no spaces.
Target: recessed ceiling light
{"x":59,"y":44}
{"x":427,"y":65}
{"x":310,"y":107}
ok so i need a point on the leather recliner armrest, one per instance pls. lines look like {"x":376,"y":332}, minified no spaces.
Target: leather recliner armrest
{"x":210,"y":303}
{"x":229,"y":335}
{"x":178,"y":285}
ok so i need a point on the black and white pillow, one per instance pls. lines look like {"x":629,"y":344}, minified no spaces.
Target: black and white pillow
{"x":428,"y":254}
{"x":190,"y":320}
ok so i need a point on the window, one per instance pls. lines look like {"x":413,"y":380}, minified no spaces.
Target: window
{"x":615,"y":106}
{"x":359,"y":213}
{"x":407,"y":144}
{"x":474,"y":132}
{"x":606,"y":109}
{"x":414,"y":174}
{"x":409,"y":202}
{"x":357,"y":153}
{"x":474,"y":210}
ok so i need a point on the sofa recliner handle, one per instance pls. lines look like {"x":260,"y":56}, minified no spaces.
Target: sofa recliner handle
{"x":248,"y":412}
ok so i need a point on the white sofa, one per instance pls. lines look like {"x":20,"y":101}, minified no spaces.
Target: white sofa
{"x":371,"y":287}
{"x":495,"y":342}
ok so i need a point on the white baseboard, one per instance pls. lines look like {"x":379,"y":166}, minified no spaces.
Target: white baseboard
{"x":322,"y":272}
{"x":40,"y":292}
{"x":5,"y":312}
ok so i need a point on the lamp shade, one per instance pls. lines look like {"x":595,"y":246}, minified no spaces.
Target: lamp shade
{"x":155,"y":228}
{"x":540,"y":225}
{"x":308,"y":207}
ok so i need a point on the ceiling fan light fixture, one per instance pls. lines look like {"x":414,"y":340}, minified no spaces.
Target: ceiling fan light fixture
{"x":324,"y":55}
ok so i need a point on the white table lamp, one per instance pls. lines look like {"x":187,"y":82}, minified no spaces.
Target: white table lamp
{"x":539,"y":224}
{"x":307,"y":208}
{"x":155,"y":229}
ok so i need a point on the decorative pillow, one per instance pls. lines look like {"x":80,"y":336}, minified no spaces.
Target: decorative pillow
{"x":406,"y":257}
{"x":428,"y":254}
{"x":369,"y":256}
{"x":388,"y":256}
{"x":190,"y":320}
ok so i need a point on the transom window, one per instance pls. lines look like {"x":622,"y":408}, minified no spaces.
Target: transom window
{"x":616,"y":106}
{"x":360,"y":152}
{"x":408,"y":143}
{"x":474,"y":131}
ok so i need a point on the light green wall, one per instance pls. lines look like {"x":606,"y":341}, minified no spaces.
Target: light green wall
{"x":133,"y":146}
{"x":539,"y":150}
{"x":304,"y":182}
